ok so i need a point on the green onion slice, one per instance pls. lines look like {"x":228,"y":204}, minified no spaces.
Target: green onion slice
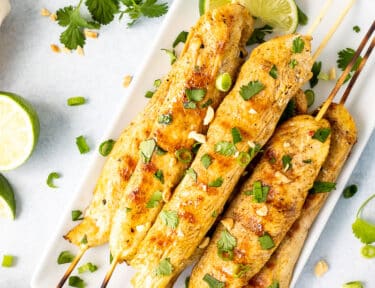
{"x":184,"y":155}
{"x":106,"y":147}
{"x":243,"y":159}
{"x":368,"y":251}
{"x":82,"y":145}
{"x":88,"y":267}
{"x":51,"y":177}
{"x":76,"y":215}
{"x":75,"y":281}
{"x":310,"y":97}
{"x":7,"y":261}
{"x":76,"y":101}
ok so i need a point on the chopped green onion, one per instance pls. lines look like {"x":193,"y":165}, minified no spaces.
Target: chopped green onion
{"x":251,"y":89}
{"x":254,"y":150}
{"x":350,"y":191}
{"x":181,"y":38}
{"x":298,"y":45}
{"x":159,"y":175}
{"x":322,"y":187}
{"x":196,"y":147}
{"x":149,"y":94}
{"x":317,"y":66}
{"x":171,"y":54}
{"x":165,"y":268}
{"x":157,"y":83}
{"x":322,"y":134}
{"x":76,"y":215}
{"x":225,"y":148}
{"x":184,"y":155}
{"x":273,"y":72}
{"x":266,"y":242}
{"x":287,"y":162}
{"x":206,"y":160}
{"x":191,"y":172}
{"x":106,"y":147}
{"x":51,"y":177}
{"x":165,"y":119}
{"x":7,"y":261}
{"x":293,"y":63}
{"x":260,"y":192}
{"x":159,"y":151}
{"x":155,"y":199}
{"x":310,"y":97}
{"x":213,"y":282}
{"x":75,"y":281}
{"x":236,"y":135}
{"x":169,"y":218}
{"x":243,"y":159}
{"x":65,"y":257}
{"x":207,"y":103}
{"x":216,"y":183}
{"x":84,"y":240}
{"x":354,"y":284}
{"x":258,"y":35}
{"x":223,"y":82}
{"x":356,"y":28}
{"x":147,"y":148}
{"x":275,"y":284}
{"x":87,"y":267}
{"x":307,"y":161}
{"x":241,"y":270}
{"x":195,"y":95}
{"x":190,"y":105}
{"x":368,"y":251}
{"x":75,"y":101}
{"x":82,"y":145}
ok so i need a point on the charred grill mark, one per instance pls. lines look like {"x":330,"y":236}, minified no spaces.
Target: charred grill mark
{"x":188,"y":217}
{"x":127,"y":167}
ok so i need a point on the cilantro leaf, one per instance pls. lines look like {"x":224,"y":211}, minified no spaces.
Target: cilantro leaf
{"x":322,"y":134}
{"x":169,"y":218}
{"x":364,"y":231}
{"x":225,"y":245}
{"x":206,"y":160}
{"x":317,"y":66}
{"x":72,"y":37}
{"x":225,"y":148}
{"x":181,"y":38}
{"x":236,"y":135}
{"x":322,"y":187}
{"x":258,"y":35}
{"x":63,"y":16}
{"x":165,"y":268}
{"x":102,"y":11}
{"x":155,"y":199}
{"x":266,"y":241}
{"x":151,"y":9}
{"x":216,"y":183}
{"x":302,"y":18}
{"x":344,"y":58}
{"x":298,"y":45}
{"x":136,"y":9}
{"x":251,"y":89}
{"x":212,"y":282}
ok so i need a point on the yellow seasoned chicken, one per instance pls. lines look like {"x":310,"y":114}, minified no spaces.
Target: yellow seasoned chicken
{"x":243,"y":123}
{"x":216,"y":45}
{"x":279,"y":269}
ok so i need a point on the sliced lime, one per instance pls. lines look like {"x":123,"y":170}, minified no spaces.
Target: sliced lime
{"x":19,"y":126}
{"x":223,"y":82}
{"x":7,"y":201}
{"x":280,"y":14}
{"x":205,"y":5}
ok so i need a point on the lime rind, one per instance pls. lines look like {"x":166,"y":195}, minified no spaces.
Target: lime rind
{"x":7,"y":200}
{"x":206,"y":5}
{"x":23,"y":109}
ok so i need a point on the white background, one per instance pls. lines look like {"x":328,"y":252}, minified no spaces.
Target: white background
{"x":29,"y":68}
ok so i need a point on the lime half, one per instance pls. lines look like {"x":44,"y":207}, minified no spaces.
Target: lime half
{"x":280,"y":14}
{"x":19,"y":130}
{"x":7,"y":201}
{"x":205,"y":5}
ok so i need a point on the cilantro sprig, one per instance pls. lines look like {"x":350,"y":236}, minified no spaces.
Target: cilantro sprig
{"x":362,"y":229}
{"x":102,"y":12}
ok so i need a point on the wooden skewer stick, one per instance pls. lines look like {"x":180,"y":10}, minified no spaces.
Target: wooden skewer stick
{"x":332,"y":30}
{"x":110,"y":271}
{"x":355,"y":76}
{"x":72,"y":266}
{"x":320,"y":17}
{"x":343,"y":76}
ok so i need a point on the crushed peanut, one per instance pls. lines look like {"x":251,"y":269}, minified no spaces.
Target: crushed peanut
{"x":252,"y":111}
{"x":209,"y":115}
{"x":227,"y":223}
{"x":55,"y":48}
{"x":197,"y":137}
{"x":127,"y":80}
{"x":332,"y":73}
{"x":66,"y":50}
{"x":140,"y":228}
{"x":283,"y":179}
{"x":262,"y":211}
{"x":204,"y":243}
{"x":80,"y":51}
{"x":53,"y":17}
{"x":321,"y":268}
{"x":45,"y":12}
{"x":286,"y":144}
{"x":251,"y":144}
{"x":91,"y":34}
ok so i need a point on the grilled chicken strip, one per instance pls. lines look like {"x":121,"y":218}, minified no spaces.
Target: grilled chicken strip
{"x":279,"y":269}
{"x":216,"y":45}
{"x":250,"y":114}
{"x":267,"y":205}
{"x":116,"y":173}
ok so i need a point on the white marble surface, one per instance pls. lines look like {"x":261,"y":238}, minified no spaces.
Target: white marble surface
{"x":28,"y":67}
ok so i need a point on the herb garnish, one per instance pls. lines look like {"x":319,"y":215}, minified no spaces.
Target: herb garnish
{"x":181,"y":38}
{"x":317,"y":66}
{"x":322,"y":187}
{"x":266,"y":242}
{"x":251,"y":89}
{"x":155,"y":199}
{"x":206,"y":160}
{"x":165,"y":268}
{"x":165,"y":119}
{"x":195,"y":95}
{"x":172,"y":55}
{"x":149,"y":94}
{"x":350,"y":191}
{"x":310,"y":97}
{"x":287,"y":162}
{"x":362,"y":229}
{"x":225,"y":245}
{"x":82,"y":145}
{"x":225,"y":148}
{"x":293,"y":63}
{"x":213,"y":282}
{"x":241,"y":270}
{"x":191,"y":172}
{"x":106,"y":147}
{"x":259,"y":192}
{"x":275,"y":284}
{"x":258,"y":35}
{"x":298,"y":45}
{"x":302,"y":19}
{"x":322,"y":134}
{"x":344,"y":58}
{"x":147,"y":148}
{"x":75,"y":281}
{"x":236,"y":135}
{"x":87,"y":267}
{"x":356,"y":29}
{"x":76,"y":215}
{"x":243,"y":158}
{"x":184,"y":155}
{"x":159,"y":175}
{"x":216,"y":183}
{"x":273,"y":72}
{"x":76,"y":101}
{"x":65,"y":257}
{"x":51,"y":177}
{"x":169,"y":218}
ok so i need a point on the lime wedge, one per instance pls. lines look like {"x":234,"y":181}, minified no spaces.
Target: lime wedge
{"x":7,"y":201}
{"x":19,"y":130}
{"x":205,"y":5}
{"x":280,"y":14}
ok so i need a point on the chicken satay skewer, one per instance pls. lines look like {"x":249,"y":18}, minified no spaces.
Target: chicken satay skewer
{"x":247,"y":251}
{"x":161,"y":243}
{"x":279,"y":268}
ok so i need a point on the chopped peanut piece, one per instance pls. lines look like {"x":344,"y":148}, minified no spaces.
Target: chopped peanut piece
{"x":55,"y":48}
{"x":227,"y":223}
{"x":204,"y":243}
{"x":66,"y":50}
{"x":197,"y":137}
{"x":53,"y":17}
{"x":45,"y":12}
{"x":263,"y":211}
{"x":321,"y":268}
{"x":127,"y":80}
{"x":91,"y":34}
{"x":332,"y":73}
{"x":209,"y":115}
{"x":80,"y":51}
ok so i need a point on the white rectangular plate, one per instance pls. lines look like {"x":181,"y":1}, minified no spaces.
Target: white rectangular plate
{"x":182,"y":15}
